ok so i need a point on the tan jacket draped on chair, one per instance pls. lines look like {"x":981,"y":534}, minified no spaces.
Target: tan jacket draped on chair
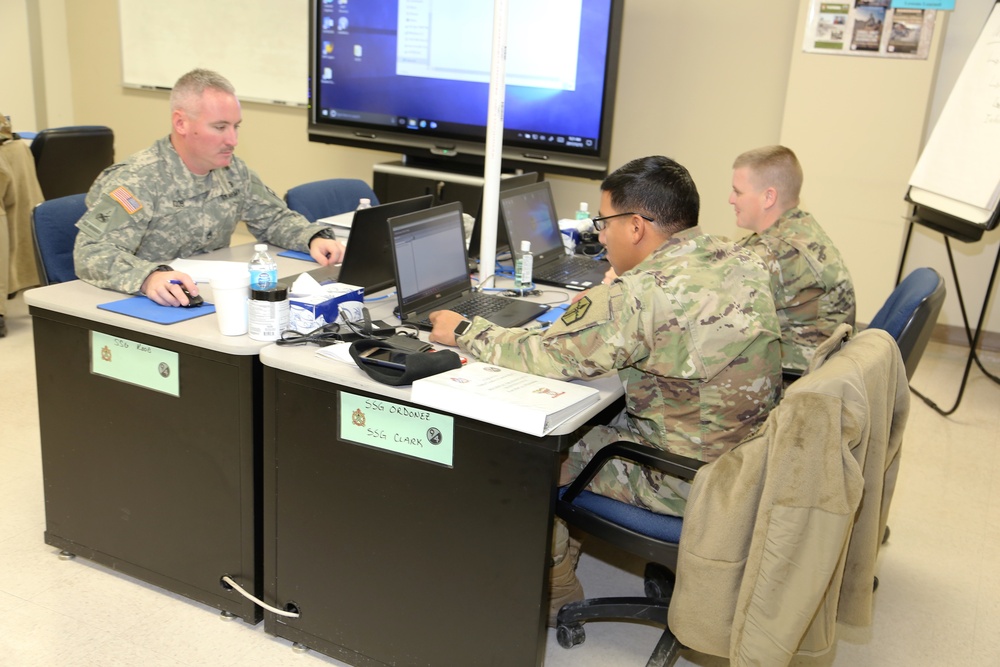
{"x":19,"y":194}
{"x":775,"y":549}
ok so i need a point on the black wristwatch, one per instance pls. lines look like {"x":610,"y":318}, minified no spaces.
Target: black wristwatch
{"x":462,"y":327}
{"x":326,"y":233}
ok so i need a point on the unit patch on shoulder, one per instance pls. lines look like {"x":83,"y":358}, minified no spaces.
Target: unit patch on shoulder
{"x":126,"y":199}
{"x":577,"y":311}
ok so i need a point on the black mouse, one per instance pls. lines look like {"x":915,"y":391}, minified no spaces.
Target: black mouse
{"x":193,"y":301}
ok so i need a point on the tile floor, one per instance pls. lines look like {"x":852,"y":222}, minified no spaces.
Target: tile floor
{"x":938,"y":602}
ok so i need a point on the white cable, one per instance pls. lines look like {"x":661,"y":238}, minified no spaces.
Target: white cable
{"x":273,"y":610}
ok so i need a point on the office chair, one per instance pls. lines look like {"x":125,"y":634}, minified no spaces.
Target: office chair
{"x":646,"y":534}
{"x":53,"y":229}
{"x":873,"y":364}
{"x":322,"y":199}
{"x":68,"y":159}
{"x":910,"y":313}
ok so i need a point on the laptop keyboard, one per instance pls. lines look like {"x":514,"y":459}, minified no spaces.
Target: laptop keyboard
{"x":567,"y":271}
{"x":476,"y":303}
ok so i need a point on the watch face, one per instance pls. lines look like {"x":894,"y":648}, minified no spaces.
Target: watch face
{"x":462,"y":327}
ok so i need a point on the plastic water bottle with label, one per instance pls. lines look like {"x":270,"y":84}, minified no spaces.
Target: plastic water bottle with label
{"x":583,"y":213}
{"x":523,"y":267}
{"x":263,"y":270}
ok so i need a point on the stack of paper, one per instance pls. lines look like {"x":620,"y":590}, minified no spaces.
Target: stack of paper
{"x":512,"y":399}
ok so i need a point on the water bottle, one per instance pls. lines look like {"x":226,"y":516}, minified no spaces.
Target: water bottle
{"x":583,"y":213}
{"x":263,"y":270}
{"x":523,"y":267}
{"x":364,"y":202}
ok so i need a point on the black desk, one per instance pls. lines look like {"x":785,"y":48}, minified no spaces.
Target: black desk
{"x":163,"y":488}
{"x":391,"y":560}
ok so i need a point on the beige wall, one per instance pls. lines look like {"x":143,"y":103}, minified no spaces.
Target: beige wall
{"x":699,"y":81}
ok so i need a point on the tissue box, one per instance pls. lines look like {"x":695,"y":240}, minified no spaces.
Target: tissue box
{"x":323,"y":307}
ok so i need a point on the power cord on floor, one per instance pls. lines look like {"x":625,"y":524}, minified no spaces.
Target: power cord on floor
{"x":274,"y":610}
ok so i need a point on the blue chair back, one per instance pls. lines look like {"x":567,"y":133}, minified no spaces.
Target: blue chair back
{"x":53,"y":227}
{"x":910,"y":312}
{"x":321,"y":199}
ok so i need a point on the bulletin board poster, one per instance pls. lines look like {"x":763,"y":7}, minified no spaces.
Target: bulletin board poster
{"x":869,"y":28}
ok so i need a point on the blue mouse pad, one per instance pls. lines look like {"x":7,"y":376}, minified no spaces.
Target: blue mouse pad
{"x":296,"y":254}
{"x":147,"y":309}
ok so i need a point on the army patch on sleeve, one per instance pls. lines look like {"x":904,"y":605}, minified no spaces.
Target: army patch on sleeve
{"x":577,"y":311}
{"x":126,"y":199}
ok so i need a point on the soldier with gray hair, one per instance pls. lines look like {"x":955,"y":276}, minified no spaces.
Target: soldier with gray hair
{"x":184,"y":196}
{"x":688,"y":324}
{"x":812,"y":288}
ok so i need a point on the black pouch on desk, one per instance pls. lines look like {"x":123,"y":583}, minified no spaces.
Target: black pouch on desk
{"x":417,"y":364}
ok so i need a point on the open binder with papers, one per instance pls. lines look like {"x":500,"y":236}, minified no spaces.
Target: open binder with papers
{"x":511,"y":399}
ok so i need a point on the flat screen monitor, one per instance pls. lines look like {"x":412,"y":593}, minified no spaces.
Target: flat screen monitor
{"x":412,"y":76}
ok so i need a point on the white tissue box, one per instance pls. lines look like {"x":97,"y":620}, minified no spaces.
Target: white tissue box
{"x":307,"y":312}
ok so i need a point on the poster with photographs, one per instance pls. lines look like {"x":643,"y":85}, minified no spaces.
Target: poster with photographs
{"x":868,"y":28}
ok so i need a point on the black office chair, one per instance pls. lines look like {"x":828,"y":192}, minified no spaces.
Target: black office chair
{"x":653,"y":537}
{"x":910,"y":313}
{"x":53,"y":229}
{"x":322,"y":199}
{"x":68,"y":159}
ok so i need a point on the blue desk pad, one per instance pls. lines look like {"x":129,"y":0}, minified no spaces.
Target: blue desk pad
{"x":146,"y":309}
{"x":297,"y":254}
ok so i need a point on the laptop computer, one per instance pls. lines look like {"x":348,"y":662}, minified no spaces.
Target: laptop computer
{"x":529,"y":213}
{"x":503,"y":244}
{"x":431,"y":269}
{"x":368,"y":257}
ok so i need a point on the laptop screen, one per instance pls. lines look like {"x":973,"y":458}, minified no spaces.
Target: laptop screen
{"x":508,"y":183}
{"x":429,"y":255}
{"x":529,"y":213}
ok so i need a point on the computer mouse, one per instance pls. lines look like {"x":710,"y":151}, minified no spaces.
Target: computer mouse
{"x":193,"y":301}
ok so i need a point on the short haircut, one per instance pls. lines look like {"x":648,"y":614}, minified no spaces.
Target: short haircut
{"x":192,"y":85}
{"x":657,"y":187}
{"x":774,"y":166}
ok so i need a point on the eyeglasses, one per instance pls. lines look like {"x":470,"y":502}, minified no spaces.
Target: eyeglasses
{"x":600,"y":224}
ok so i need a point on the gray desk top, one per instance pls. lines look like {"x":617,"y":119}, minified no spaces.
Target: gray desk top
{"x":81,"y":299}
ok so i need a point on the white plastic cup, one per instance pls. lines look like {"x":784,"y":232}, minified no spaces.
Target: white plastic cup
{"x":230,"y":293}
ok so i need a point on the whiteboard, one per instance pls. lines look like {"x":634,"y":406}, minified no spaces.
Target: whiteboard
{"x":959,"y":170}
{"x":261,"y":46}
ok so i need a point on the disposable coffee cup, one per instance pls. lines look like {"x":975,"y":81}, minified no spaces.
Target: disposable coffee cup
{"x":230,"y":292}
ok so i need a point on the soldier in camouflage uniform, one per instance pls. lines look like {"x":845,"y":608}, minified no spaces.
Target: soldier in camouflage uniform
{"x":184,"y":196}
{"x":813,"y":292}
{"x":688,"y":324}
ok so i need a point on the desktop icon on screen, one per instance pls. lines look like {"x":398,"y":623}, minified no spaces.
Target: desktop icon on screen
{"x":357,"y":50}
{"x":342,"y":23}
{"x":327,"y":73}
{"x":327,"y":47}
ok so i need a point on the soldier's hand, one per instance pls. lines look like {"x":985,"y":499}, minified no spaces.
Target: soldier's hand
{"x":444,"y":323}
{"x":326,"y":251}
{"x":159,"y":288}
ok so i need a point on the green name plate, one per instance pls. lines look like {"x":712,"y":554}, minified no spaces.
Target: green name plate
{"x":135,"y":363}
{"x":402,"y":429}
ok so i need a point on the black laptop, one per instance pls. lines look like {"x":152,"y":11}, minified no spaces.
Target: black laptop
{"x":508,"y":183}
{"x":368,"y":258}
{"x":430,"y":263}
{"x":529,"y":213}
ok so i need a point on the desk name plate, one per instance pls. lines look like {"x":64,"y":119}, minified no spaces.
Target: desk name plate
{"x":397,"y":428}
{"x":135,"y":363}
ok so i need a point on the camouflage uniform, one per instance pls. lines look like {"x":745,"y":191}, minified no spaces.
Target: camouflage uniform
{"x":150,"y":209}
{"x":694,"y":337}
{"x":813,"y":292}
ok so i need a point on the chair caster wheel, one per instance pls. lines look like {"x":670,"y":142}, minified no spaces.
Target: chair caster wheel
{"x":572,"y":635}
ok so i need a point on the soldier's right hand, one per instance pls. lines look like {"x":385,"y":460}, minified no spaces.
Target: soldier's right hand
{"x":164,"y":287}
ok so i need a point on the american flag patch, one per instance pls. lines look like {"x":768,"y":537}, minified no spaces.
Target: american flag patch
{"x":126,"y":199}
